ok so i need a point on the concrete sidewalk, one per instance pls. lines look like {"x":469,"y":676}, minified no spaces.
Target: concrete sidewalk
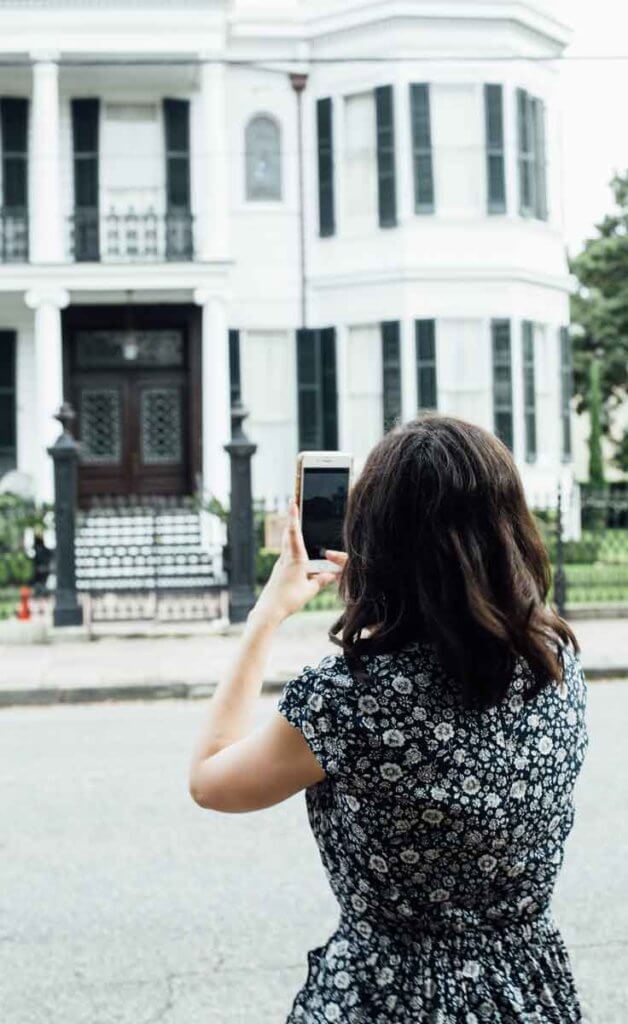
{"x":128,"y":668}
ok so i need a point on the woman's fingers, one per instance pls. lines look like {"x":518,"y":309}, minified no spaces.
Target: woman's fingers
{"x":293,"y":536}
{"x":337,"y":557}
{"x":324,"y":579}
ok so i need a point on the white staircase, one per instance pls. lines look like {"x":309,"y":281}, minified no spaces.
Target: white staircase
{"x":151,"y":546}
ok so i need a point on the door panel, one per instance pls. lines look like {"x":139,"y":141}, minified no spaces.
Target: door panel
{"x":101,"y":403}
{"x":159,"y":436}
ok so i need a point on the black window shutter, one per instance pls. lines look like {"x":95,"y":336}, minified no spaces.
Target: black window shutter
{"x":177,"y":132}
{"x":529,"y":389}
{"x":386,"y":177}
{"x":391,"y":373}
{"x":85,"y":142}
{"x":309,"y":392}
{"x":328,"y":387}
{"x":8,"y":450}
{"x":422,"y":148}
{"x":14,"y":133}
{"x":539,"y":160}
{"x":234,"y":366}
{"x":427,"y":386}
{"x":324,"y":123}
{"x":502,"y":381}
{"x":566,"y":391}
{"x":316,"y":386}
{"x":495,"y":168}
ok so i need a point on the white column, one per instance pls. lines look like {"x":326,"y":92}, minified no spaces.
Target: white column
{"x":45,"y":205}
{"x":49,"y":379}
{"x":212,"y":146}
{"x":215,"y":405}
{"x":409,"y":400}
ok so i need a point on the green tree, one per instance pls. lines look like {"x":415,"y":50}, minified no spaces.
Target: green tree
{"x":599,"y":309}
{"x":596,"y":460}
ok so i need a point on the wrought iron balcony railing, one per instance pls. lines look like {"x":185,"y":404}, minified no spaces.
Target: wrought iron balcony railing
{"x":13,"y":234}
{"x":131,"y":236}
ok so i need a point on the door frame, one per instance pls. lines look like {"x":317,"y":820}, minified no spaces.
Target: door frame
{"x":186,"y":317}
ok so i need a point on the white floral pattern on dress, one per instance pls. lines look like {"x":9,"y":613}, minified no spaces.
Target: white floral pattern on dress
{"x":441,"y":831}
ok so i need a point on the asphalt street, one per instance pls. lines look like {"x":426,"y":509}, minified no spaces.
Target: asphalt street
{"x":123,"y":903}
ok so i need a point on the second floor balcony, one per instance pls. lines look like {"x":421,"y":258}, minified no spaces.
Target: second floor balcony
{"x":130,"y":236}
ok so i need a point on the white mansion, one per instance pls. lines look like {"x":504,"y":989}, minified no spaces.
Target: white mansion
{"x":170,"y":237}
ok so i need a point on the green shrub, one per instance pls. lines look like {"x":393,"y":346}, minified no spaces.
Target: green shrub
{"x":5,"y":570}
{"x":264,"y":561}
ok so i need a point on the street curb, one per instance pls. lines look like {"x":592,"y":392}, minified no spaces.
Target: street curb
{"x":41,"y":696}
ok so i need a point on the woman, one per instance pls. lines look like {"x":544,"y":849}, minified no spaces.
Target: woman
{"x":439,"y":751}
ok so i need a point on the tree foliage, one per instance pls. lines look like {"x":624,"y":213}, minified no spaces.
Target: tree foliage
{"x":599,"y":308}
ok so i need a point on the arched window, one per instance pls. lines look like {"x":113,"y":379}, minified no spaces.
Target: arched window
{"x":263,"y":158}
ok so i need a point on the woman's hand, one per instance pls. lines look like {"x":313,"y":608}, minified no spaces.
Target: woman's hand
{"x":289,"y":587}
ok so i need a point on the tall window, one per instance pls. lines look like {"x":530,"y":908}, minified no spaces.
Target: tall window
{"x":85,"y":139}
{"x":495,"y":171}
{"x":177,"y":128}
{"x":13,"y":130}
{"x":316,"y":385}
{"x":566,"y":391}
{"x":324,"y":126}
{"x":531,"y":157}
{"x":14,"y":196}
{"x":263,"y":158}
{"x":529,"y":389}
{"x":7,"y":402}
{"x":391,"y":373}
{"x":502,"y":381}
{"x":427,"y":390}
{"x":386,"y":172}
{"x":422,"y":148}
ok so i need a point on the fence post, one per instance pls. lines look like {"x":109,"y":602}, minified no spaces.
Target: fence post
{"x":560,"y":579}
{"x":65,"y":453}
{"x":241,"y":520}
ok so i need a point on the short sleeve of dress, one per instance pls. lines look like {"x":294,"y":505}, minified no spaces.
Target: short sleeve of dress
{"x":318,"y":702}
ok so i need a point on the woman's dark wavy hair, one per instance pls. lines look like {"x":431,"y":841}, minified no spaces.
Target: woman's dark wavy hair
{"x":443,"y":548}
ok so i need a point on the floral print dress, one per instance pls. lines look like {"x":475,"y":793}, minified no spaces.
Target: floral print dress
{"x":441,"y":831}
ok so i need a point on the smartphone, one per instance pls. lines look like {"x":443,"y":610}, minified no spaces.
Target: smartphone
{"x":323,"y":480}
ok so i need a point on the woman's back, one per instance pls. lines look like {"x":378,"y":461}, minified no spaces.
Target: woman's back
{"x":442,"y":831}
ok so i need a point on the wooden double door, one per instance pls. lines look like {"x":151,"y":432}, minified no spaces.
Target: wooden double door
{"x":137,"y":407}
{"x":132,"y":430}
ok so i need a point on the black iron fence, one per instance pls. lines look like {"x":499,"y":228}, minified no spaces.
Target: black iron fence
{"x":13,"y":235}
{"x":131,"y":236}
{"x":586,"y":535}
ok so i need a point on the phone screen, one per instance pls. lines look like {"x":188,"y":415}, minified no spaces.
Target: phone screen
{"x":324,"y":500}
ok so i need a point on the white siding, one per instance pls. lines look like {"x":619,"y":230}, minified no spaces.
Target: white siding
{"x":364,"y":389}
{"x":458,"y":149}
{"x":360,"y":163}
{"x":268,"y":375}
{"x":463,"y":370}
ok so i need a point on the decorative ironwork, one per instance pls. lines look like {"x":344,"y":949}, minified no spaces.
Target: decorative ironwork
{"x":13,"y":235}
{"x":131,"y":236}
{"x":103,"y":350}
{"x":160,"y":425}
{"x":101,"y":429}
